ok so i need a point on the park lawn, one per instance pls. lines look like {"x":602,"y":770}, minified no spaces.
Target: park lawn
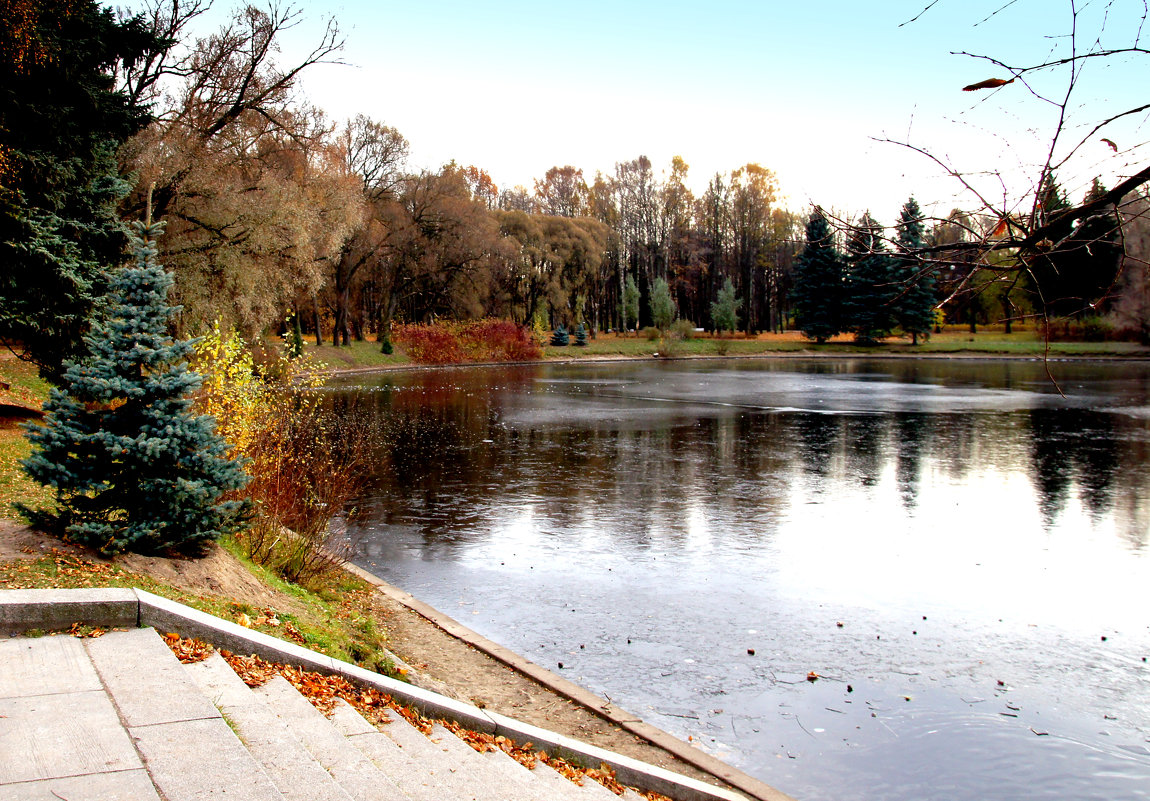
{"x":952,"y":340}
{"x":956,"y":340}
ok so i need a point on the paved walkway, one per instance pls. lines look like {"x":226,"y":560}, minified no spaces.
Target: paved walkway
{"x":119,"y":717}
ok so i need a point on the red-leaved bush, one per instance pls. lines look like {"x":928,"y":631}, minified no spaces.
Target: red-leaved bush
{"x":476,"y":341}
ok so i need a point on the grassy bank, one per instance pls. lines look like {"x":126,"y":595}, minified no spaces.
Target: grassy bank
{"x":336,"y":620}
{"x":953,"y":340}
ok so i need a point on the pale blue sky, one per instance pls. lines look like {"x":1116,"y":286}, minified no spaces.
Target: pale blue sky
{"x":516,"y":87}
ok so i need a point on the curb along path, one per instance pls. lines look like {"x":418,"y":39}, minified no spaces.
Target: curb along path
{"x":48,"y":610}
{"x":600,"y":706}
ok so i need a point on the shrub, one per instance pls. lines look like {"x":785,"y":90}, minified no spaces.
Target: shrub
{"x":431,"y":344}
{"x":560,"y":338}
{"x":1087,"y":329}
{"x":652,"y":333}
{"x":1096,"y":329}
{"x":487,"y":340}
{"x":304,"y":463}
{"x":682,"y":329}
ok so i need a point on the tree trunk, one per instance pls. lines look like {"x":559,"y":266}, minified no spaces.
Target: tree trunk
{"x":318,"y":321}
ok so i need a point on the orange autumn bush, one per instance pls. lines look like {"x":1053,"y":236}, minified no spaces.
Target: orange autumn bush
{"x":473,"y":341}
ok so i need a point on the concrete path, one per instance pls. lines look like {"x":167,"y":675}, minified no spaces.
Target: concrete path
{"x":118,"y":717}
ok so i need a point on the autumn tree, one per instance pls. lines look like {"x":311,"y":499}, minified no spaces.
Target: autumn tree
{"x":562,"y":192}
{"x":240,"y":166}
{"x":753,"y":191}
{"x":375,"y":154}
{"x":555,"y":260}
{"x":439,"y":249}
{"x":1131,"y":308}
{"x":1034,"y":226}
{"x":61,"y":122}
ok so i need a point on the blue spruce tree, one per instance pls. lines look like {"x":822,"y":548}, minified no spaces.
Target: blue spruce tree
{"x":132,"y":467}
{"x":869,"y":304}
{"x":915,"y":302}
{"x":818,"y":288}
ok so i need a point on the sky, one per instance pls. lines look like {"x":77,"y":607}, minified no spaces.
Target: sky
{"x":806,"y":89}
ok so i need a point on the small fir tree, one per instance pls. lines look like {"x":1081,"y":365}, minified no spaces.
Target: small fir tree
{"x":560,"y":338}
{"x":581,"y":336}
{"x":725,"y":309}
{"x":132,"y":467}
{"x":295,"y":336}
{"x":662,"y":305}
{"x":630,"y":309}
{"x":916,"y":299}
{"x":817,"y":296}
{"x":869,"y":300}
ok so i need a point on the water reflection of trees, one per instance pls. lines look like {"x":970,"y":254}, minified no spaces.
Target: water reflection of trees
{"x":452,"y":459}
{"x":1074,"y":448}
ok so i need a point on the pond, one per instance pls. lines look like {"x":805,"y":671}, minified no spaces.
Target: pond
{"x":850,"y":578}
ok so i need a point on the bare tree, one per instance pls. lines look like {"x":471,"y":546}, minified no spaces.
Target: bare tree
{"x":1030,"y":236}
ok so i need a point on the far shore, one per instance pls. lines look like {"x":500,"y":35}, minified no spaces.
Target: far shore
{"x":953,"y":343}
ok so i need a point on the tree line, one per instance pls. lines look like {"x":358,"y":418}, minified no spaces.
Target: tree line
{"x":277,"y":215}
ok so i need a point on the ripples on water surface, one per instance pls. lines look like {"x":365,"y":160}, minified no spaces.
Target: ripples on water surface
{"x":980,"y":539}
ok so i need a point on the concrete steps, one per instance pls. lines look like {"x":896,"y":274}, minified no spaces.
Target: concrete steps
{"x":118,"y":717}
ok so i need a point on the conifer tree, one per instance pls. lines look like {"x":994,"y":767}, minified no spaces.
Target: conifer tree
{"x":724,"y":310}
{"x":560,"y":338}
{"x":818,"y":282}
{"x":61,"y":123}
{"x":581,"y":336}
{"x":916,"y":298}
{"x":662,"y":305}
{"x":630,"y":307}
{"x":132,"y":466}
{"x":868,"y":306}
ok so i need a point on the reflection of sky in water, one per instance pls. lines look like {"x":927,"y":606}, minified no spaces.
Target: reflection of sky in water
{"x":965,"y":524}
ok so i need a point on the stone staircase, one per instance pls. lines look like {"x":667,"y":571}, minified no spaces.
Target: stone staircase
{"x":119,"y":717}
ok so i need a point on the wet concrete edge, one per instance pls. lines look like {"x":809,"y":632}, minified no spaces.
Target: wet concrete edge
{"x":573,"y":692}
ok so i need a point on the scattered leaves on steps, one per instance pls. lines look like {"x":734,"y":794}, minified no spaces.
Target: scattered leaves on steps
{"x":323,"y":691}
{"x":186,"y":649}
{"x":82,"y":630}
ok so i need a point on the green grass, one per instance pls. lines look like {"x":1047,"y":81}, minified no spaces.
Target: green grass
{"x":955,"y":341}
{"x":25,"y":386}
{"x":25,"y":389}
{"x":332,"y":621}
{"x":357,"y":354}
{"x":15,"y":485}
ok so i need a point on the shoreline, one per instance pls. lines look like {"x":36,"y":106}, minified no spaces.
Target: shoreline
{"x":784,"y":355}
{"x":604,"y":708}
